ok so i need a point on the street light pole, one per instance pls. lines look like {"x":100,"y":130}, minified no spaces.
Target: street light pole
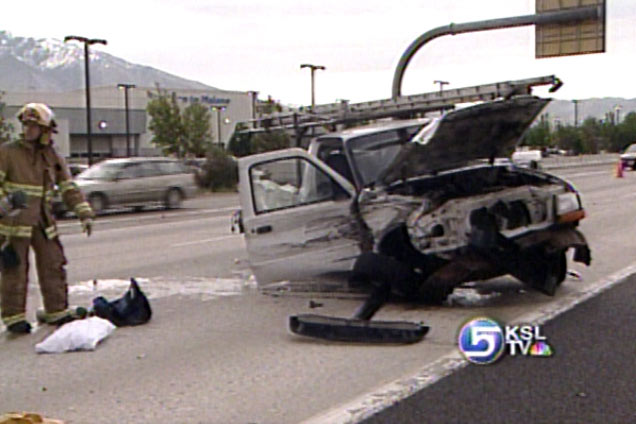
{"x":218,"y":110}
{"x":313,"y":87}
{"x":441,"y":85}
{"x":617,"y":112}
{"x":254,"y":95}
{"x":125,"y":87}
{"x":576,"y":113}
{"x":87,"y":42}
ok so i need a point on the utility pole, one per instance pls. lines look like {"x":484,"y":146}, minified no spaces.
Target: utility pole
{"x":126,"y":87}
{"x":87,"y":42}
{"x":313,"y":69}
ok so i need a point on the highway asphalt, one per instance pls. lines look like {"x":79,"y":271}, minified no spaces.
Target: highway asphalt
{"x":591,"y":378}
{"x":218,"y":351}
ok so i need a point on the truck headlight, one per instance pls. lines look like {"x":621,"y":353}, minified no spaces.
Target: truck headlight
{"x":568,"y":208}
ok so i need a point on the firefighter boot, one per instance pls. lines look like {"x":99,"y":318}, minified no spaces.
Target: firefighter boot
{"x":71,"y":315}
{"x":20,"y":327}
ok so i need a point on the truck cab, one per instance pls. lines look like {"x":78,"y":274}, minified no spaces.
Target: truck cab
{"x":359,"y":154}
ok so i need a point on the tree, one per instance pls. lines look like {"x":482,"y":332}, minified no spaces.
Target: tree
{"x":6,"y":129}
{"x":179,"y":132}
{"x":165,"y":123}
{"x":219,"y":171}
{"x":626,"y":131}
{"x":609,"y":134}
{"x":269,"y":106}
{"x":239,"y":144}
{"x":569,"y":138}
{"x":243,"y":144}
{"x":538,"y":135}
{"x":271,"y":140}
{"x":196,"y":127}
{"x":591,"y":137}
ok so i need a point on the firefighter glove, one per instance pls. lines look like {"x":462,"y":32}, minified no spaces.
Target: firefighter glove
{"x":18,"y":199}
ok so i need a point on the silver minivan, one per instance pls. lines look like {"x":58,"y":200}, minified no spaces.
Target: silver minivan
{"x":136,"y":182}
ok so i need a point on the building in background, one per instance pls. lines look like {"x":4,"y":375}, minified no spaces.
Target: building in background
{"x":108,"y":117}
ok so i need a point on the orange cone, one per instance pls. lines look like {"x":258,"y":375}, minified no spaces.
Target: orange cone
{"x":619,"y":169}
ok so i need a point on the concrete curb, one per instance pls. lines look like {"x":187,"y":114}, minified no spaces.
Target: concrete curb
{"x":579,"y":161}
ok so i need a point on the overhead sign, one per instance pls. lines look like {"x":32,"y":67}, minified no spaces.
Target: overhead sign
{"x":570,"y":38}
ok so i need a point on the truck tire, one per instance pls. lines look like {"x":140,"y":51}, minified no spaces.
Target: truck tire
{"x":555,"y":273}
{"x":173,"y":198}
{"x":378,"y":270}
{"x":434,"y":295}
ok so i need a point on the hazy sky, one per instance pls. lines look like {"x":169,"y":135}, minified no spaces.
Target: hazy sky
{"x":259,"y":45}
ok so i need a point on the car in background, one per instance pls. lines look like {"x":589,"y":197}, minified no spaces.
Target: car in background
{"x":76,"y":168}
{"x":555,"y":151}
{"x":628,"y":158}
{"x":58,"y":206}
{"x":195,"y":164}
{"x":527,"y":158}
{"x":136,"y":182}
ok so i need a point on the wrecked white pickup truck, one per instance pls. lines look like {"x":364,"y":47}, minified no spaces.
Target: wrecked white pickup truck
{"x":419,"y":203}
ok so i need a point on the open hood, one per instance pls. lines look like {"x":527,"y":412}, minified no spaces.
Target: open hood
{"x":487,"y":130}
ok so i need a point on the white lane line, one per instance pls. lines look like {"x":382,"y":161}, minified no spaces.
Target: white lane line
{"x":188,"y":243}
{"x":150,"y":226}
{"x":369,"y":404}
{"x":148,"y":218}
{"x":585,"y":174}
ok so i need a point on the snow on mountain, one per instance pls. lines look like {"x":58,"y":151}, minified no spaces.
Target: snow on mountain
{"x":28,"y":64}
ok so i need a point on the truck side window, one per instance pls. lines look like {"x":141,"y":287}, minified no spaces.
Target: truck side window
{"x":290,"y":182}
{"x":338,"y":162}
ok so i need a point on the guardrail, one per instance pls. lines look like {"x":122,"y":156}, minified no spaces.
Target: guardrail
{"x":554,"y":162}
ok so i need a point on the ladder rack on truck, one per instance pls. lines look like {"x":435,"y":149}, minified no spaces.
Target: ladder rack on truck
{"x":403,"y":106}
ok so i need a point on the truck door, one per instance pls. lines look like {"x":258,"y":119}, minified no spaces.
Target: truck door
{"x":296,"y":216}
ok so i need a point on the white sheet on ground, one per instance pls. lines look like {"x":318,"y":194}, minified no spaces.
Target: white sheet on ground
{"x":82,"y":334}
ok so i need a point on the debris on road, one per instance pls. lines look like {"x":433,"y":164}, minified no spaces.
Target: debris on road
{"x":132,"y":308}
{"x":356,"y":330}
{"x":360,"y":328}
{"x":313,"y":304}
{"x":77,"y":335}
{"x":26,"y":418}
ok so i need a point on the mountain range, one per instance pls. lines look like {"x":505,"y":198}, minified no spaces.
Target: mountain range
{"x":50,"y":65}
{"x":45,"y":65}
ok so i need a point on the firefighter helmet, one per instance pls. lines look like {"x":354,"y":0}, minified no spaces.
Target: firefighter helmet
{"x":38,"y":113}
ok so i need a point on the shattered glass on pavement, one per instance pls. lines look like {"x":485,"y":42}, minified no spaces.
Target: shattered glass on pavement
{"x":159,"y":287}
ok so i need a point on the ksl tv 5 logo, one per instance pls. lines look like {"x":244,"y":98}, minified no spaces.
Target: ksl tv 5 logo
{"x":482,"y":341}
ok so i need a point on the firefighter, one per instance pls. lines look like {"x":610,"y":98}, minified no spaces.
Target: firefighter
{"x":32,"y":165}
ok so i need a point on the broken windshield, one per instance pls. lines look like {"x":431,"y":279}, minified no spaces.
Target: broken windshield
{"x":373,"y":152}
